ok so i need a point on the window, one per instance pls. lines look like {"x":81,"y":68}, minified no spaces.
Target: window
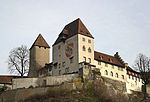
{"x":89,"y":50}
{"x":122,"y":76}
{"x":116,"y":75}
{"x":63,"y":64}
{"x":84,"y":59}
{"x":106,"y":72}
{"x":106,"y":65}
{"x":55,"y":66}
{"x":67,"y":70}
{"x":89,"y":60}
{"x":119,"y":68}
{"x":132,"y":77}
{"x":83,"y":48}
{"x":89,"y":41}
{"x":111,"y":73}
{"x":59,"y":65}
{"x":59,"y":72}
{"x":112,"y":66}
{"x":99,"y":63}
{"x":83,"y":39}
{"x":71,"y":60}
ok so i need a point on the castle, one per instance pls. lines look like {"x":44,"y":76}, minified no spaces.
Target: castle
{"x":72,"y":50}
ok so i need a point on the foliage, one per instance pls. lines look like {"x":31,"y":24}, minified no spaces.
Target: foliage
{"x":31,"y":87}
{"x":4,"y":88}
{"x":18,"y":60}
{"x":142,"y":64}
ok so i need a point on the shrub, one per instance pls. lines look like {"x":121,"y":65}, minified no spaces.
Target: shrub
{"x":31,"y":86}
{"x":4,"y":88}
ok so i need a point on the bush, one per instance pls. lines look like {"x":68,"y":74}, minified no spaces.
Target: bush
{"x":4,"y":88}
{"x":31,"y":86}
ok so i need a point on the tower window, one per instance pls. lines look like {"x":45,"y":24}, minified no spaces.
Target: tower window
{"x":89,"y":50}
{"x":84,"y":59}
{"x":71,"y":60}
{"x":89,"y":41}
{"x":63,"y":64}
{"x":67,"y":70}
{"x":59,"y":65}
{"x":83,"y":48}
{"x":89,"y":60}
{"x":59,"y":72}
{"x":83,"y":39}
{"x":122,"y":76}
{"x":55,"y":66}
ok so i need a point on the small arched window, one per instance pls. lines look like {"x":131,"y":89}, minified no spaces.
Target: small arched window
{"x":122,"y":76}
{"x":116,"y":75}
{"x":106,"y":72}
{"x":111,"y":73}
{"x":83,"y":48}
{"x":89,"y":50}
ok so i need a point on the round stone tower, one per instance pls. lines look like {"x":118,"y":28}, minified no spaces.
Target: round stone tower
{"x":39,"y":56}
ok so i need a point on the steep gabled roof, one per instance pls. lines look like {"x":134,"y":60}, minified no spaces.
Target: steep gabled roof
{"x":107,"y":58}
{"x":73,"y":28}
{"x":40,"y":41}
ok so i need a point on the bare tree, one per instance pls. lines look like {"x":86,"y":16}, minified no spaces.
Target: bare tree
{"x":18,"y":61}
{"x":142,"y":64}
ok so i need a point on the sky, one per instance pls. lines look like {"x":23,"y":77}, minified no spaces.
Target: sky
{"x":117,"y":25}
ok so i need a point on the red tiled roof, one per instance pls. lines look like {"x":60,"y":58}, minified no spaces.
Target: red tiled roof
{"x":107,"y":58}
{"x":73,"y":28}
{"x":6,"y":79}
{"x":40,"y":41}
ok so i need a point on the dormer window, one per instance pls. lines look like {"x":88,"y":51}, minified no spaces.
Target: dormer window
{"x":101,"y":57}
{"x":110,"y":60}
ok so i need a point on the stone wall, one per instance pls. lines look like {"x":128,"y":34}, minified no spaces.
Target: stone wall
{"x":44,"y":81}
{"x":148,"y":89}
{"x":117,"y":85}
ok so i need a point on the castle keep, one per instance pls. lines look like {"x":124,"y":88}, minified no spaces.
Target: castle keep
{"x":72,"y":51}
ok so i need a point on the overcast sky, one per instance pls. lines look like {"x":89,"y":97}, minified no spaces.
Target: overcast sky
{"x":118,"y":25}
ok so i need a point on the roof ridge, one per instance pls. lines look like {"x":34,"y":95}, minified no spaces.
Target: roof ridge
{"x":104,"y":54}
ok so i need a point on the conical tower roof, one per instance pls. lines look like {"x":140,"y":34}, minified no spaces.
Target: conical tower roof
{"x":73,"y":28}
{"x":40,"y":41}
